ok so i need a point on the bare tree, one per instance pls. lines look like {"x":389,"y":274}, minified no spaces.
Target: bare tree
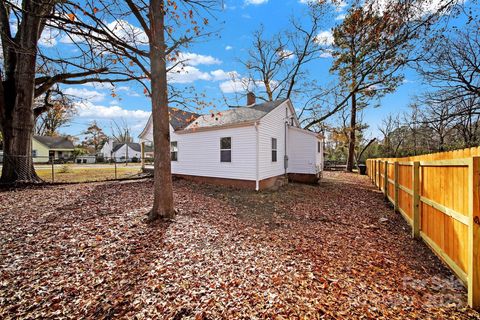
{"x":452,"y":64}
{"x":392,"y":139}
{"x":437,"y":117}
{"x":121,"y":132}
{"x":468,"y":123}
{"x":277,"y":64}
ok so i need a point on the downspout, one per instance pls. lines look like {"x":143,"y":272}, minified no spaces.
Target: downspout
{"x":257,"y":178}
{"x":285,"y":157}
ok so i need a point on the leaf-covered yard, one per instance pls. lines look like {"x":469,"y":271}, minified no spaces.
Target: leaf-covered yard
{"x":330,"y":251}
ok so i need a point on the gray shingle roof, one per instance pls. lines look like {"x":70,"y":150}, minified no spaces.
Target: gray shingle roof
{"x":180,"y":119}
{"x":133,"y":145}
{"x":235,"y":115}
{"x":55,"y":142}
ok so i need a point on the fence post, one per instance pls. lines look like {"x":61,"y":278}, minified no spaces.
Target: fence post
{"x":142,"y":150}
{"x":52,"y":159}
{"x":396,"y":184}
{"x":115,"y":164}
{"x":416,"y":199}
{"x":474,"y":233}
{"x":385,"y":179}
{"x":374,"y":173}
{"x":377,"y":175}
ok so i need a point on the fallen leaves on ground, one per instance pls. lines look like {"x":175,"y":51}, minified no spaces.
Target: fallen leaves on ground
{"x":332,"y":251}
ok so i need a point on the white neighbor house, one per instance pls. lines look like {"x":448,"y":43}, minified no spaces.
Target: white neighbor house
{"x":252,"y":146}
{"x":121,"y":151}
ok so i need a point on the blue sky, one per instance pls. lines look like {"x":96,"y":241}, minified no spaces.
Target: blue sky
{"x":211,"y":63}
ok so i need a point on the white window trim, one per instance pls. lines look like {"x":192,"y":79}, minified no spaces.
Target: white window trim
{"x":176,"y":143}
{"x":231,"y":158}
{"x":276,"y":150}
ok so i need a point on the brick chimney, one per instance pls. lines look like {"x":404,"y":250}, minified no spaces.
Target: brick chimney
{"x":250,"y":98}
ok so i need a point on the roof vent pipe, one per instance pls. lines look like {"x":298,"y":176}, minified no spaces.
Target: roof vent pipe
{"x":250,"y":98}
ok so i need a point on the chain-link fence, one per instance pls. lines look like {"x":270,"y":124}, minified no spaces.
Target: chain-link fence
{"x":81,"y":168}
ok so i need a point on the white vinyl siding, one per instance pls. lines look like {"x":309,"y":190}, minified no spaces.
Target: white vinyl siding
{"x":303,"y":152}
{"x":272,"y":125}
{"x":121,"y":154}
{"x":199,"y":153}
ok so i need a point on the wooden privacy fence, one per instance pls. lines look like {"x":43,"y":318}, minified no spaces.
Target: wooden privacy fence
{"x":440,"y":199}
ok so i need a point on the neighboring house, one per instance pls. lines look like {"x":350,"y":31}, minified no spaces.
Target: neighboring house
{"x":122,"y":151}
{"x":253,"y":146}
{"x":45,"y":148}
{"x":86,"y":159}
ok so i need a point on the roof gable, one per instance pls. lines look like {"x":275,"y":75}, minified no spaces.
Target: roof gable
{"x":235,"y":115}
{"x":179,"y":119}
{"x":132,"y":145}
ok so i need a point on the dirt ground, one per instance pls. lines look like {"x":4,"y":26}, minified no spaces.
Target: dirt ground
{"x":332,"y":251}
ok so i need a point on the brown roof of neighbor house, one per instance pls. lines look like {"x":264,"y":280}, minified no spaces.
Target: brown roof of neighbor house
{"x":55,"y":142}
{"x":235,"y":115}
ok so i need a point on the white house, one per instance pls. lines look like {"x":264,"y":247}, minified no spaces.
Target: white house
{"x":253,"y":146}
{"x":121,"y":151}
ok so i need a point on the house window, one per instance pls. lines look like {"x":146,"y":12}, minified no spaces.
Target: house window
{"x":34,"y":153}
{"x":274,"y":150}
{"x":173,"y":151}
{"x":226,"y":149}
{"x":319,"y":147}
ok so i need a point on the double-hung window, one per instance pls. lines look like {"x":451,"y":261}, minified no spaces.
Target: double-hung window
{"x":226,"y":149}
{"x":173,"y":151}
{"x":274,"y":150}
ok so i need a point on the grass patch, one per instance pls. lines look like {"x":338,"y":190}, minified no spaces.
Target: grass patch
{"x":70,"y":174}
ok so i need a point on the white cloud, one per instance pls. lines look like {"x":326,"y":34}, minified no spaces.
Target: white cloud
{"x":419,"y":8}
{"x":219,"y":75}
{"x":85,"y":94}
{"x":287,"y":54}
{"x":235,"y":85}
{"x":255,"y":2}
{"x":187,"y":74}
{"x":228,"y":48}
{"x":119,"y":28}
{"x":128,"y":91}
{"x":340,"y":17}
{"x":195,"y":59}
{"x":49,"y":37}
{"x":325,"y":38}
{"x":326,"y":54}
{"x":127,"y":32}
{"x":89,"y":110}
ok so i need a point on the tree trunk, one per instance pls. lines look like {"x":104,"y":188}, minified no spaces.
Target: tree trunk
{"x":353,"y":126}
{"x":17,"y":118}
{"x":163,"y":190}
{"x":17,"y":157}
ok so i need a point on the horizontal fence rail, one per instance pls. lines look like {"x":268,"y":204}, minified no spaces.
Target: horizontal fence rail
{"x":439,"y":196}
